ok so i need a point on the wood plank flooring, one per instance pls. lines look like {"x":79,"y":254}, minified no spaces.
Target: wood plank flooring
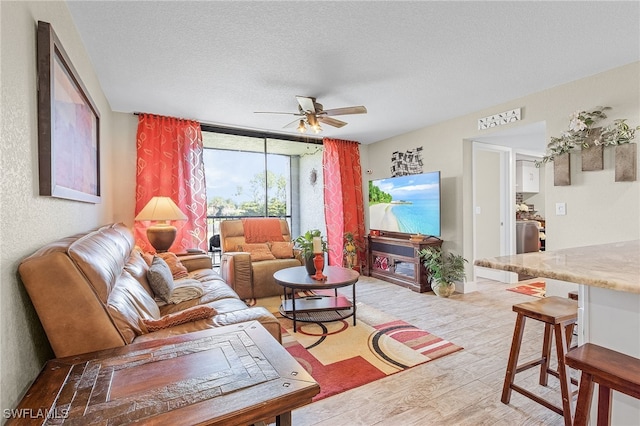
{"x":463,"y":388}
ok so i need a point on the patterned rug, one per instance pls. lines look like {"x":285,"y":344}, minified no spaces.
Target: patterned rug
{"x":341,"y":357}
{"x":536,"y":289}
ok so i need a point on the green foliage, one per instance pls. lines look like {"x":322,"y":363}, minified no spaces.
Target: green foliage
{"x":444,"y":268}
{"x":276,"y":188}
{"x":580,"y":129}
{"x":305,"y":243}
{"x":618,"y":133}
{"x":377,"y":196}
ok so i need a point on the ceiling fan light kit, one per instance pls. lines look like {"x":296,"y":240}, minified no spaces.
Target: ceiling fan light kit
{"x":313,"y":114}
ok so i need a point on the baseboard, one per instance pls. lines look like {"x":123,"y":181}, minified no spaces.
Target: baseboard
{"x":495,"y":274}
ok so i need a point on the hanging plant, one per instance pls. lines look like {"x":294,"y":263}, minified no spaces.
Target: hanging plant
{"x":581,"y":126}
{"x":617,"y":133}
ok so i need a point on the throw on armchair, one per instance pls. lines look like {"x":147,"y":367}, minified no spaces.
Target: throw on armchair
{"x":252,"y":250}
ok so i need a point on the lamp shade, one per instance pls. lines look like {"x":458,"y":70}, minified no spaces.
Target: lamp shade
{"x":161,"y":209}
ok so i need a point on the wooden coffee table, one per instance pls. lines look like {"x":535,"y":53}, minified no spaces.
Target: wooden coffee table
{"x":237,"y":374}
{"x":317,"y":308}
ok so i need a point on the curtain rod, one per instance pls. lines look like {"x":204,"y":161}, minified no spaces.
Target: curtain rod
{"x":238,"y":131}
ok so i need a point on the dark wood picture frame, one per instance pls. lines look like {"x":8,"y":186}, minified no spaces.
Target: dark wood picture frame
{"x":68,"y":126}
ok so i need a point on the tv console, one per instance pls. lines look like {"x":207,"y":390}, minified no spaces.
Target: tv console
{"x":394,"y":258}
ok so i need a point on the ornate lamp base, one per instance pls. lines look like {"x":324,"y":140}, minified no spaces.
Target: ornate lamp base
{"x":161,"y":236}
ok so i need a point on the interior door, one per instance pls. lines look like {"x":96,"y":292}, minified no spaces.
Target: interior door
{"x":492,"y":200}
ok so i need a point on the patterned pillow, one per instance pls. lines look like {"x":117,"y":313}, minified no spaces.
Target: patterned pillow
{"x":193,"y":313}
{"x":258,"y":251}
{"x":282,"y":249}
{"x":160,"y":279}
{"x":178,"y":270}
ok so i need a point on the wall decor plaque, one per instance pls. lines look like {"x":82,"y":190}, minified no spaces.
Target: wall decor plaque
{"x":626,"y":162}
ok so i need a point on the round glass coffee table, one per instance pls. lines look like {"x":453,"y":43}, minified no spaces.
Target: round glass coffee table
{"x":317,"y":307}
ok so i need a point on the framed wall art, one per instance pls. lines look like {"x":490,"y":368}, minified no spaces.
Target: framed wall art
{"x":68,"y":126}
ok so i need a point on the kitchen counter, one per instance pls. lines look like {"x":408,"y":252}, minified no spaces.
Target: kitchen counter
{"x":614,"y":266}
{"x":607,"y":277}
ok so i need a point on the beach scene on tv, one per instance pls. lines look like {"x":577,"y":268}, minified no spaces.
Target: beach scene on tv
{"x":408,"y":204}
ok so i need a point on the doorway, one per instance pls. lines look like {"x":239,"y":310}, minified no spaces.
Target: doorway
{"x":493,"y":187}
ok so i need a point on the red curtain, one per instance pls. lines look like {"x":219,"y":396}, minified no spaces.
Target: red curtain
{"x":343,"y":200}
{"x":170,"y":163}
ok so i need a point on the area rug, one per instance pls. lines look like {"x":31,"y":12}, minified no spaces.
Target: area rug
{"x":340,"y":356}
{"x":536,"y":289}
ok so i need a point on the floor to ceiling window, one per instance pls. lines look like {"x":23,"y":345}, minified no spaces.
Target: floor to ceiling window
{"x":262,"y":175}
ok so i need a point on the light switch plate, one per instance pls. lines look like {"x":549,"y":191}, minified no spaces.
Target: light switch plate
{"x":561,"y":209}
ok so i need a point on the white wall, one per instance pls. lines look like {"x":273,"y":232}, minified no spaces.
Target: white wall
{"x":27,"y":220}
{"x":598,"y":209}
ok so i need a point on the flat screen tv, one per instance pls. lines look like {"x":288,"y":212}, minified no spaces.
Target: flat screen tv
{"x":406,"y":204}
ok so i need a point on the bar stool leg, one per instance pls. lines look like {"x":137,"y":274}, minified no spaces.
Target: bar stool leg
{"x":513,"y":358}
{"x":583,"y":407}
{"x":563,"y":375}
{"x":604,"y":405}
{"x":546,"y":354}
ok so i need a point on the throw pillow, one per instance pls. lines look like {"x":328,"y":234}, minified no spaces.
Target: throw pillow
{"x":148,"y":257}
{"x":178,"y":270}
{"x":160,"y":279}
{"x":258,"y":251}
{"x":282,"y":249}
{"x":193,"y":313}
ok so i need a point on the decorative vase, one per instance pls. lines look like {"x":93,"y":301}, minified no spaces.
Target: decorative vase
{"x":351,"y":260}
{"x":562,"y":170}
{"x":318,"y":262}
{"x":593,"y":156}
{"x":308,"y":263}
{"x":443,"y":289}
{"x":626,"y":162}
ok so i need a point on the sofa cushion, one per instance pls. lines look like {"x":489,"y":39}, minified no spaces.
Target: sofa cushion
{"x":160,"y":279}
{"x":101,"y":255}
{"x":128,"y":304}
{"x":193,"y":313}
{"x":258,"y":251}
{"x":138,"y":267}
{"x":282,"y":249}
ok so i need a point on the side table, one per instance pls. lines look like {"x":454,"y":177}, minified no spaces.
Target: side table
{"x":237,"y":374}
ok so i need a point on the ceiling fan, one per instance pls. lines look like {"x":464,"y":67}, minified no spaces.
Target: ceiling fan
{"x":312,"y":114}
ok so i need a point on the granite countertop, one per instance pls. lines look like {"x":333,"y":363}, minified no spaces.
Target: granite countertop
{"x":614,"y":266}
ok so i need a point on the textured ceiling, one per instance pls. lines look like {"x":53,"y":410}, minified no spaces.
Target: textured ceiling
{"x":412,"y":64}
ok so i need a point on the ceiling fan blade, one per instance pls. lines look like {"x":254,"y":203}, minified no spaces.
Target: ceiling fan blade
{"x":331,"y":121}
{"x":346,"y":110}
{"x":306,"y":103}
{"x":294,"y":123}
{"x":274,"y":112}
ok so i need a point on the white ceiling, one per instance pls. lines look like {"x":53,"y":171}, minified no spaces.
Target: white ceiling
{"x":412,"y":64}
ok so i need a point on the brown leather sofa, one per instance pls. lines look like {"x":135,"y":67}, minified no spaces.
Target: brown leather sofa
{"x":251,"y":279}
{"x":91,"y":292}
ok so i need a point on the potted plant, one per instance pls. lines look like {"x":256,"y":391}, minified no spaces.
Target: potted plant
{"x":444,"y":269}
{"x":350,"y":250}
{"x":305,"y":244}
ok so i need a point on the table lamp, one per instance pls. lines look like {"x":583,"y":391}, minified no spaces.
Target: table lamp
{"x":162,"y":234}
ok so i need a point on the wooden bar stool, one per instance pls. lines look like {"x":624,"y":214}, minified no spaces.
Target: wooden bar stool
{"x":559,"y":316}
{"x":611,"y":370}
